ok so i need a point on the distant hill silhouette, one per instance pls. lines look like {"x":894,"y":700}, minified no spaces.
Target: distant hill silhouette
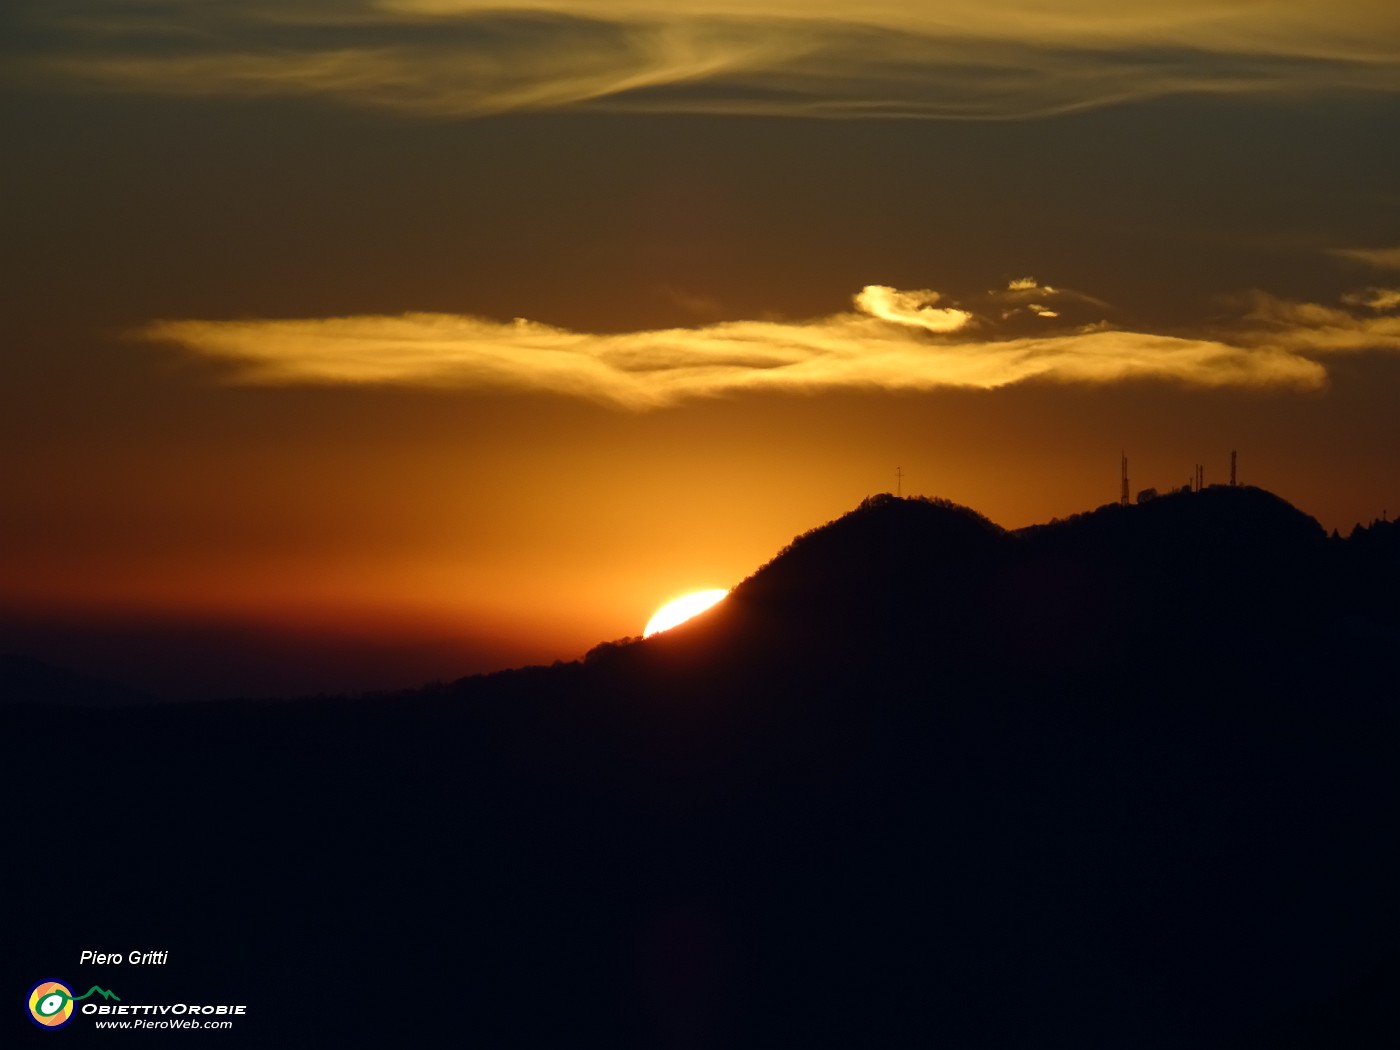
{"x":1189,"y":582}
{"x":1125,"y":780}
{"x":24,"y":680}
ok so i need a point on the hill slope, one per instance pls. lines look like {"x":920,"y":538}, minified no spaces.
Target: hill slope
{"x":1126,"y":780}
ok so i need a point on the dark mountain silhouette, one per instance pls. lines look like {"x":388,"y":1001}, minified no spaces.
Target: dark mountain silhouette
{"x":1123,"y":780}
{"x":24,"y":680}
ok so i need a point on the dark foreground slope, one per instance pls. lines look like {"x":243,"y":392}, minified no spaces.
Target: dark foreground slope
{"x":1127,"y":780}
{"x":26,"y":680}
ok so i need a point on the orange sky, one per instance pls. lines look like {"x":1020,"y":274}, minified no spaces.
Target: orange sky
{"x":263,"y":372}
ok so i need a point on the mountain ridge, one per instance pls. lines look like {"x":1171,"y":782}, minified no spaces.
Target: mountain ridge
{"x":983,"y":790}
{"x":1204,"y":568}
{"x":896,"y":563}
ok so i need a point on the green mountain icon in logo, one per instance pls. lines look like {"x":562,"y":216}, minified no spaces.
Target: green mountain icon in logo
{"x":100,"y":991}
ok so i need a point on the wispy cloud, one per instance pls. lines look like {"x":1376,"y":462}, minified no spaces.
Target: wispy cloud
{"x":1381,"y":300}
{"x":1025,"y":298}
{"x":1316,"y":329}
{"x":1377,"y":258}
{"x":891,"y":340}
{"x":957,"y":59}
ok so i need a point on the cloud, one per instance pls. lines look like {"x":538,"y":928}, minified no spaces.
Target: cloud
{"x":1312,"y":328}
{"x":1377,"y":299}
{"x":916,"y":309}
{"x":957,"y":59}
{"x":892,"y":340}
{"x":1024,"y":299}
{"x":1026,"y":289}
{"x":1377,"y":258}
{"x":492,"y":65}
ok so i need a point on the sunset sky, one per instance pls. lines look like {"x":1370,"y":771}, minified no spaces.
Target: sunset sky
{"x":356,"y":343}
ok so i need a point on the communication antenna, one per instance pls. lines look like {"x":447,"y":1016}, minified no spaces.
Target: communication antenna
{"x":1233,"y":457}
{"x":899,"y":481}
{"x":1123,"y":490}
{"x":1200,"y":477}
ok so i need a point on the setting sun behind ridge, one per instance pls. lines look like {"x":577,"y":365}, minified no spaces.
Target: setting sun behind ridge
{"x":676,"y":612}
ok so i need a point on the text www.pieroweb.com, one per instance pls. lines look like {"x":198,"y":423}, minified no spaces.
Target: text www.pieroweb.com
{"x":179,"y":1022}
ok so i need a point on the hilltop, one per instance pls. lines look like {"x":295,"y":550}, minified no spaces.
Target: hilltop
{"x":1208,"y":580}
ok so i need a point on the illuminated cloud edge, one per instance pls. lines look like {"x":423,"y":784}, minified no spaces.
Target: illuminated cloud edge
{"x":891,"y":340}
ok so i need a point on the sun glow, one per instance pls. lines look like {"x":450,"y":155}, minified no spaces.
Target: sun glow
{"x":677,"y":612}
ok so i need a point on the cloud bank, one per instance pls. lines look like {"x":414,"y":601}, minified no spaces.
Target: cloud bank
{"x":891,"y":340}
{"x":957,"y":59}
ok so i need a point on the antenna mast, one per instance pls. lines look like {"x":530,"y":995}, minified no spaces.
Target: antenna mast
{"x":1123,"y":491}
{"x":1233,"y":455}
{"x":899,"y":481}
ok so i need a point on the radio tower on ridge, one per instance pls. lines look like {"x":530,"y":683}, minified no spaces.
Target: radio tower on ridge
{"x":1123,"y":491}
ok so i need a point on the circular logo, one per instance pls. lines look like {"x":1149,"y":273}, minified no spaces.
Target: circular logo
{"x":51,"y":1004}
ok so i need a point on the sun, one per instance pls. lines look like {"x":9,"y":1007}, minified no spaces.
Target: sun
{"x":682,"y":609}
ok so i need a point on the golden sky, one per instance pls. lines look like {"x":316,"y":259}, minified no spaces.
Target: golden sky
{"x":467,"y":334}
